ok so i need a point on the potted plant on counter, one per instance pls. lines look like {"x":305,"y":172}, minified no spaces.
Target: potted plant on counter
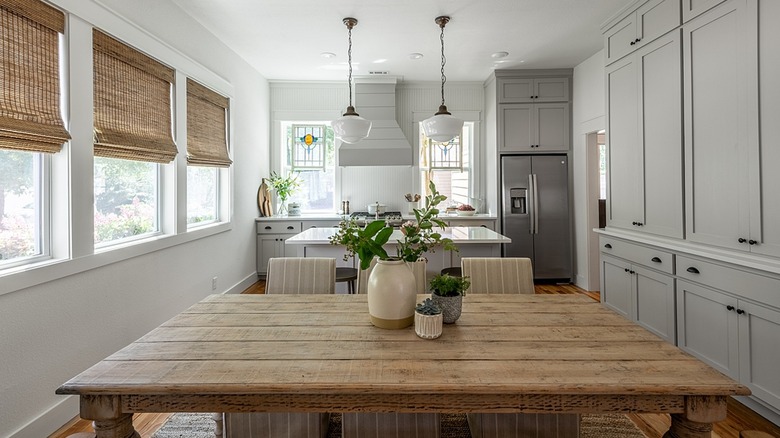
{"x":391,"y":286}
{"x":284,"y":187}
{"x":447,"y":293}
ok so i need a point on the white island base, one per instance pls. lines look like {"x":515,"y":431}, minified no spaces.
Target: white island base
{"x":471,"y":242}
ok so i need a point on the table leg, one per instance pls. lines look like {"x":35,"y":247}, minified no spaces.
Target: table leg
{"x":109,"y":420}
{"x":696,"y":422}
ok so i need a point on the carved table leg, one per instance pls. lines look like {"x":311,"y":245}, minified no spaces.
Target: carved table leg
{"x":109,"y":420}
{"x":700,"y":413}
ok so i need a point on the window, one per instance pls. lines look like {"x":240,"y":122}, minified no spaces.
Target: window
{"x":443,"y":166}
{"x":31,"y":125}
{"x":309,"y":148}
{"x":207,"y":151}
{"x":133,"y":120}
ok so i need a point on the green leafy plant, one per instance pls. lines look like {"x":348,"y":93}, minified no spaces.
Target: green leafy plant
{"x":419,"y":236}
{"x":366,"y":243}
{"x":448,"y":286}
{"x":284,"y":186}
{"x":428,"y":307}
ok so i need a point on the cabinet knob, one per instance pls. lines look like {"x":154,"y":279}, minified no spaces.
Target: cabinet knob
{"x":741,"y":240}
{"x":692,"y":270}
{"x":752,"y":242}
{"x":740,"y":312}
{"x":639,"y":224}
{"x":632,"y":272}
{"x":730,"y":308}
{"x":632,"y":43}
{"x":655,"y":259}
{"x":627,"y":270}
{"x":608,"y":246}
{"x":638,"y":40}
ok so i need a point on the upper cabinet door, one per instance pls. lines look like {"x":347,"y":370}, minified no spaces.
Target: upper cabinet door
{"x":719,"y":135}
{"x":693,"y":8}
{"x":620,"y":39}
{"x":515,"y":90}
{"x":551,"y":121}
{"x":551,"y":90}
{"x":516,"y":127}
{"x":642,"y":26}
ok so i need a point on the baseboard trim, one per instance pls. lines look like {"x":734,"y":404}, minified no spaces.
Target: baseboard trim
{"x":50,"y":420}
{"x":243,"y":284}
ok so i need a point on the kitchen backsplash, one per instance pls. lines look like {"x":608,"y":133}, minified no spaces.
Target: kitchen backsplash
{"x":387,"y":184}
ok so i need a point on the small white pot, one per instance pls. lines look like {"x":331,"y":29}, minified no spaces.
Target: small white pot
{"x":428,"y":326}
{"x":376,"y":208}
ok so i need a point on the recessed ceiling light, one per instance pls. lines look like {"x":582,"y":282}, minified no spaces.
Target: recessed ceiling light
{"x":499,"y":55}
{"x":379,"y":61}
{"x":415,"y":55}
{"x":328,"y":55}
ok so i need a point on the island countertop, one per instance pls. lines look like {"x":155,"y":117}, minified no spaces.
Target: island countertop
{"x":459,"y":235}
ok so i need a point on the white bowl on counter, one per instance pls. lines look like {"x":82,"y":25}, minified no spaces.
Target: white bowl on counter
{"x":466,"y":212}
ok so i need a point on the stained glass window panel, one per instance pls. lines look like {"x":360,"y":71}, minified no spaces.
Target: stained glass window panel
{"x":308,"y":147}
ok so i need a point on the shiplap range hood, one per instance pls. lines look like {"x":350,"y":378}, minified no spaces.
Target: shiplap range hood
{"x":386,"y":144}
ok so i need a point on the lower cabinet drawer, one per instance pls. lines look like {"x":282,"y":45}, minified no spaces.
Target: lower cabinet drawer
{"x":277,"y":227}
{"x":646,"y":256}
{"x":742,"y":283}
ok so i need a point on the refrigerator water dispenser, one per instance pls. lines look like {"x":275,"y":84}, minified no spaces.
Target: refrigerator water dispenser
{"x":518,"y":200}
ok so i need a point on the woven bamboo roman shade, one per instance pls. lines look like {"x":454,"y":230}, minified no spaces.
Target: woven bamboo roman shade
{"x":206,"y":127}
{"x":132,"y":103}
{"x":30,"y":118}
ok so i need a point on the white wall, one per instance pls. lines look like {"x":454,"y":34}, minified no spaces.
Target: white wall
{"x":54,"y":330}
{"x":367,"y":184}
{"x":588,"y":116}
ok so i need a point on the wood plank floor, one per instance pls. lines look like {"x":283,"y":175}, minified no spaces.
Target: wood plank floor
{"x":653,"y":425}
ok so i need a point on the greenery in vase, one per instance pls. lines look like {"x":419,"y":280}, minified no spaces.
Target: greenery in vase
{"x":448,"y":286}
{"x":284,"y":186}
{"x":428,"y":307}
{"x":419,"y":237}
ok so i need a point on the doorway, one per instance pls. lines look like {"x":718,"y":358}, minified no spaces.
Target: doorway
{"x":596,"y":163}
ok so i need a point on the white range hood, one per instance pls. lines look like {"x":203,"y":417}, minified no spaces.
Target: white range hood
{"x":386,"y":144}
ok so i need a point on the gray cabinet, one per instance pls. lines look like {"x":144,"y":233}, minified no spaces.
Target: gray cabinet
{"x":644,"y":134}
{"x":693,"y":8}
{"x":534,"y":127}
{"x":640,"y":27}
{"x":722,"y":183}
{"x":530,"y":90}
{"x":633,"y":287}
{"x":271,"y":236}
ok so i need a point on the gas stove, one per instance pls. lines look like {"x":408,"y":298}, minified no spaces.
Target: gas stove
{"x":391,"y":218}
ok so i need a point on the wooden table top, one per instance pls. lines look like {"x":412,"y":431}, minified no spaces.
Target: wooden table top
{"x":534,"y":353}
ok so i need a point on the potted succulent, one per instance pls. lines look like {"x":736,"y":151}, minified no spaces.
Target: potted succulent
{"x":428,"y":320}
{"x":391,"y":287}
{"x":447,"y":293}
{"x":284,"y":187}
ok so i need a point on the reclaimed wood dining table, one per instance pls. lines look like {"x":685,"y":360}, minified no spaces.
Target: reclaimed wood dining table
{"x":320,"y":353}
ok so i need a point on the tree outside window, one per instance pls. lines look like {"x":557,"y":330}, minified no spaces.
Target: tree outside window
{"x":20,"y":205}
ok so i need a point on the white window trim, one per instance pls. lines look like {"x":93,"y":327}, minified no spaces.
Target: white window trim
{"x":72,"y":248}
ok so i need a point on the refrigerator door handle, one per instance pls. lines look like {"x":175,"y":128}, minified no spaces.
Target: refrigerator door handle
{"x":531,"y":204}
{"x":536,"y":206}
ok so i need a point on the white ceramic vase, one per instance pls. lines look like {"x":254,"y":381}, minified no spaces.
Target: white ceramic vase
{"x":392,"y":294}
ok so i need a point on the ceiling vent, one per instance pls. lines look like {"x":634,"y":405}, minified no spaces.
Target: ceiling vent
{"x":379,"y":73}
{"x":386,"y":144}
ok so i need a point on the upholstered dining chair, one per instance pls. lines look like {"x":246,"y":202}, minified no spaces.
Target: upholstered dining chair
{"x":511,"y":275}
{"x":498,"y":275}
{"x":288,"y":275}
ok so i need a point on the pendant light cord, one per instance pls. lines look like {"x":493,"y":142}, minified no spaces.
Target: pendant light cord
{"x":349,"y":58}
{"x":443,"y":61}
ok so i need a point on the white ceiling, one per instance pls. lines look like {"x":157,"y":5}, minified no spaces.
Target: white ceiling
{"x":283,"y":39}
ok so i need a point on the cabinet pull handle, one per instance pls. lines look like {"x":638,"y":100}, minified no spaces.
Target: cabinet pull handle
{"x":628,"y":270}
{"x":741,"y":240}
{"x":638,"y":40}
{"x":632,"y":272}
{"x":290,"y":227}
{"x":632,"y":43}
{"x":730,"y":308}
{"x":608,"y":246}
{"x":483,"y":226}
{"x":740,"y":312}
{"x":752,"y":242}
{"x":267,"y":227}
{"x":655,"y":259}
{"x":313,"y":226}
{"x":692,"y":270}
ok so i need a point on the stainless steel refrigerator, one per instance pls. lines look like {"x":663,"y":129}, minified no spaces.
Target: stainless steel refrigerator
{"x":535,"y":213}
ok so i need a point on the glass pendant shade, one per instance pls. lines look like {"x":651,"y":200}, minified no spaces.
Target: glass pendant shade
{"x":442,"y":127}
{"x":351,"y":128}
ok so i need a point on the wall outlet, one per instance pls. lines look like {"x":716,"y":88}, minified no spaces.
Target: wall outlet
{"x":214,"y":283}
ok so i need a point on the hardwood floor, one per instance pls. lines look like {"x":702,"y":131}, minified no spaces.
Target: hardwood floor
{"x":653,"y":425}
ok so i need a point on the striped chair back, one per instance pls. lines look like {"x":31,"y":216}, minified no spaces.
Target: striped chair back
{"x":498,"y":275}
{"x":301,"y":275}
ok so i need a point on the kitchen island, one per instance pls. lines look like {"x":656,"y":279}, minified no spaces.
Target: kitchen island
{"x":471,"y":242}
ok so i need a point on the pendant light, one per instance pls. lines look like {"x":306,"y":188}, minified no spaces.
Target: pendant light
{"x":350,"y":127}
{"x":443,"y":126}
